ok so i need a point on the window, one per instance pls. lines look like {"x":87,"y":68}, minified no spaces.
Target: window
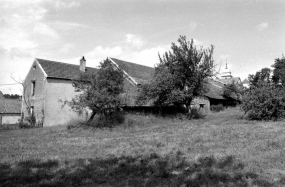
{"x":34,"y":67}
{"x":33,"y":87}
{"x":32,"y":110}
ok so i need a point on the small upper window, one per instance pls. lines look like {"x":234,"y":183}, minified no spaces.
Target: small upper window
{"x":32,"y":111}
{"x":34,"y":67}
{"x":33,"y":87}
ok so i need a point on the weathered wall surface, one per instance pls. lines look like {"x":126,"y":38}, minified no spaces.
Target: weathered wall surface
{"x":8,"y":119}
{"x":199,"y":101}
{"x":38,"y":99}
{"x":56,"y":111}
{"x":130,"y":93}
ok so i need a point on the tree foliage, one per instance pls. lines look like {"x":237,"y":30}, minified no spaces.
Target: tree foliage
{"x":265,"y":99}
{"x":180,"y":75}
{"x":279,"y":71}
{"x":12,"y":96}
{"x":99,"y":92}
{"x":260,"y":77}
{"x":233,"y":90}
{"x":264,"y":102}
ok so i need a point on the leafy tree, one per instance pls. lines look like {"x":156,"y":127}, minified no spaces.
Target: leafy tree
{"x":12,"y":96}
{"x":262,"y":76}
{"x":180,"y":76}
{"x":265,"y":99}
{"x":279,"y":71}
{"x":99,"y":92}
{"x":264,"y":102}
{"x":233,"y":90}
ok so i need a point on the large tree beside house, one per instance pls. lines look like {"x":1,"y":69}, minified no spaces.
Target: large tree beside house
{"x":181,"y":75}
{"x":99,"y":92}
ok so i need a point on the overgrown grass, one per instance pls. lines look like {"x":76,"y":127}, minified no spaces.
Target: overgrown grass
{"x":100,"y":121}
{"x":217,"y":108}
{"x":5,"y":127}
{"x":259,"y":145}
{"x":151,"y":170}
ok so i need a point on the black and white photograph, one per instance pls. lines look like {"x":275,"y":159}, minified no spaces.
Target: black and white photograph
{"x":142,"y":93}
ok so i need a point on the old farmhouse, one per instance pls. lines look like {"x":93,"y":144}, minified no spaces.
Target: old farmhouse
{"x":49,"y":83}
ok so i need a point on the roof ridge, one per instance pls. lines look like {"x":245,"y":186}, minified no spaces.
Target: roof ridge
{"x":131,"y":62}
{"x":63,"y":63}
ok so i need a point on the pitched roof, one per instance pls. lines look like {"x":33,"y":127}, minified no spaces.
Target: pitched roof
{"x":140,"y":73}
{"x":62,"y":70}
{"x":11,"y":106}
{"x":245,"y":81}
{"x":215,"y":90}
{"x":230,"y":80}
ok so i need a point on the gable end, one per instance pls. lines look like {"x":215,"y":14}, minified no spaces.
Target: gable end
{"x":129,"y":78}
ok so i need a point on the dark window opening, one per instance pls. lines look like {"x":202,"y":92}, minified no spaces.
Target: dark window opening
{"x":33,"y":87}
{"x":32,"y":110}
{"x":34,"y":67}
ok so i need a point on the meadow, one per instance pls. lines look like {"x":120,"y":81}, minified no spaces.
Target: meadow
{"x":224,"y":149}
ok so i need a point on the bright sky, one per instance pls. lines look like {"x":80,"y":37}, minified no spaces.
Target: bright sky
{"x":250,"y":34}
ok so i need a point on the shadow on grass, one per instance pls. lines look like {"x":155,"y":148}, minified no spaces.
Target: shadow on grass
{"x":8,"y":127}
{"x":152,"y":170}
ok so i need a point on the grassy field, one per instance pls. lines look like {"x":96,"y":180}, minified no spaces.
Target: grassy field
{"x":258,"y":145}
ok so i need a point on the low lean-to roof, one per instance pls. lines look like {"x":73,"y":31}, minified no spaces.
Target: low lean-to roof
{"x":62,"y":70}
{"x":10,"y":106}
{"x":140,"y":73}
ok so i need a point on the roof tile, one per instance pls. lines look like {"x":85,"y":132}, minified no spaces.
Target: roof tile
{"x":141,"y":74}
{"x":62,"y":70}
{"x":11,"y":106}
{"x":215,"y":90}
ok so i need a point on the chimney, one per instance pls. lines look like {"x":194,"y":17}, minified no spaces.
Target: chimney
{"x":82,"y":64}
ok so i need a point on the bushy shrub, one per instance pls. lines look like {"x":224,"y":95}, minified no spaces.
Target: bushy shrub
{"x":264,"y":102}
{"x":28,"y":122}
{"x":74,"y":123}
{"x":100,"y":121}
{"x":217,"y":108}
{"x":109,"y":120}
